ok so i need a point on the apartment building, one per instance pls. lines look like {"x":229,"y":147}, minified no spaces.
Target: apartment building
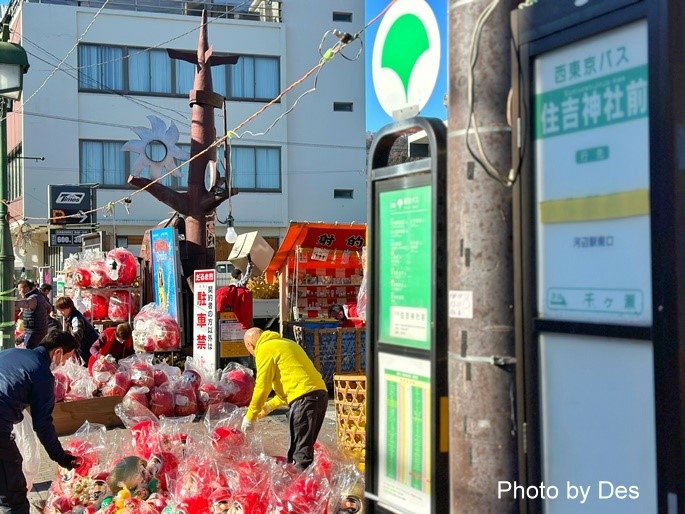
{"x":100,"y":68}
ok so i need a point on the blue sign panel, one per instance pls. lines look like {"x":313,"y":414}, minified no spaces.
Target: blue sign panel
{"x":166,"y":269}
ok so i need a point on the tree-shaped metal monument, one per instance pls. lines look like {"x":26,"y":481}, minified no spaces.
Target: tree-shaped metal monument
{"x":198,"y":203}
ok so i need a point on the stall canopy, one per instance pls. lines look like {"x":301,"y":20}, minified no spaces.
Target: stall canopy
{"x":321,"y":244}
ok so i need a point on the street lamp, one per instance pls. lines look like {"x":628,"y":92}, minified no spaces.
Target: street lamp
{"x":13,"y":64}
{"x":231,"y":234}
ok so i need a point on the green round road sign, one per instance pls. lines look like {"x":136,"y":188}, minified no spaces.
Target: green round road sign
{"x":406,"y":58}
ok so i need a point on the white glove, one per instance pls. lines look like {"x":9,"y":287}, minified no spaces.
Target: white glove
{"x":246,"y":425}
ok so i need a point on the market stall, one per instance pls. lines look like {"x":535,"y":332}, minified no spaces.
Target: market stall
{"x":320,"y":271}
{"x":104,"y":287}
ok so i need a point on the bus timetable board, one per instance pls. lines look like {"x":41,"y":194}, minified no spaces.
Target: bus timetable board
{"x":407,"y":414}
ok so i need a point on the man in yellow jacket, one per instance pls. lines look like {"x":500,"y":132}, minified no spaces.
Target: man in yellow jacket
{"x":284,"y":367}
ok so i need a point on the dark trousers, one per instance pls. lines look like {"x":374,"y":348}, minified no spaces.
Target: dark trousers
{"x":306,"y":417}
{"x":13,"y":493}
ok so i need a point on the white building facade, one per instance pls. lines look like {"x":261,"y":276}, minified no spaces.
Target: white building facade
{"x":96,"y":72}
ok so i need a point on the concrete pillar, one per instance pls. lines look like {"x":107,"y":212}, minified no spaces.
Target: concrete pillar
{"x":483,"y":447}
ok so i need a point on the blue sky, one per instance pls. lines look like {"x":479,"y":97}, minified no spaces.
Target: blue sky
{"x":376,"y":117}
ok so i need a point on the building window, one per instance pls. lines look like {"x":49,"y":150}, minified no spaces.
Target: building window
{"x":342,"y":16}
{"x":342,"y":106}
{"x":185,"y":76}
{"x":15,"y":174}
{"x":255,"y":78}
{"x":101,"y":67}
{"x":256,"y":168}
{"x":182,"y":180}
{"x":104,"y":163}
{"x":343,"y":193}
{"x":151,"y":71}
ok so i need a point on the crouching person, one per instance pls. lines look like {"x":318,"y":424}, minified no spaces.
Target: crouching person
{"x":284,"y":367}
{"x":26,"y":380}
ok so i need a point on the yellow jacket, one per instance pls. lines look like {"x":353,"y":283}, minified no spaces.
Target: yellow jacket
{"x":284,"y":367}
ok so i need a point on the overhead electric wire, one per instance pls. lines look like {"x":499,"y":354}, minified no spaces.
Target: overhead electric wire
{"x":80,"y":38}
{"x":481,"y":158}
{"x":243,"y":139}
{"x":131,"y":98}
{"x":328,"y":56}
{"x":160,"y":46}
{"x":63,"y":60}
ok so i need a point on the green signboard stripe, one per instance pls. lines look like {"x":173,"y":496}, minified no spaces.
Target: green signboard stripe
{"x":594,"y":208}
{"x":417,"y":435}
{"x":408,"y":376}
{"x":391,"y":434}
{"x":608,"y":100}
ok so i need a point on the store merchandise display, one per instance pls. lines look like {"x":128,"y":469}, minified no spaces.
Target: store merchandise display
{"x":157,"y":467}
{"x":155,"y":330}
{"x":317,"y":289}
{"x":102,"y":285}
{"x":165,"y":390}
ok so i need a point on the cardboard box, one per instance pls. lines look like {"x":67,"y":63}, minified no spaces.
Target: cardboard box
{"x":260,"y":252}
{"x":69,"y":416}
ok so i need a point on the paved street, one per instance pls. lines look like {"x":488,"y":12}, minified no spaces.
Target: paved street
{"x":273,"y":429}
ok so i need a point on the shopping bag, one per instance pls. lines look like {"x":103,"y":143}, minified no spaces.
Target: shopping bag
{"x":28,"y":444}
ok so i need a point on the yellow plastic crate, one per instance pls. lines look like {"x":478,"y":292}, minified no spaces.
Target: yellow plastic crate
{"x":350,"y":413}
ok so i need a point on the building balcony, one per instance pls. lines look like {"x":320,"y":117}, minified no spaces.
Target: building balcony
{"x":256,"y":10}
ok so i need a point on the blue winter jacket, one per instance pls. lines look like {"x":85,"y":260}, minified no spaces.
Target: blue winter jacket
{"x":26,"y":380}
{"x":79,"y":327}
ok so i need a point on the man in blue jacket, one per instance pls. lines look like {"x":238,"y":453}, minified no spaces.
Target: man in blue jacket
{"x":26,"y":381}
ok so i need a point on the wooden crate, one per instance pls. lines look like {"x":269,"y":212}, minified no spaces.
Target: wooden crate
{"x":350,"y":413}
{"x":69,"y":416}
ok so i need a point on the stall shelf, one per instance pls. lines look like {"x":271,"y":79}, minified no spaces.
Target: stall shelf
{"x":319,"y":265}
{"x":134,"y":293}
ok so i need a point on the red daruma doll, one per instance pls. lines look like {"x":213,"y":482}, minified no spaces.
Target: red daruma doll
{"x":122,"y":266}
{"x":81,"y":277}
{"x":241,"y":383}
{"x":98,"y":306}
{"x":99,"y":276}
{"x":119,"y":307}
{"x":155,"y":330}
{"x":167,"y":335}
{"x":185,"y":399}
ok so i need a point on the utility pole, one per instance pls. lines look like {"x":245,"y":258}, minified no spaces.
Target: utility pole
{"x":6,"y":249}
{"x":480,"y":271}
{"x":198,"y":203}
{"x":13,"y":64}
